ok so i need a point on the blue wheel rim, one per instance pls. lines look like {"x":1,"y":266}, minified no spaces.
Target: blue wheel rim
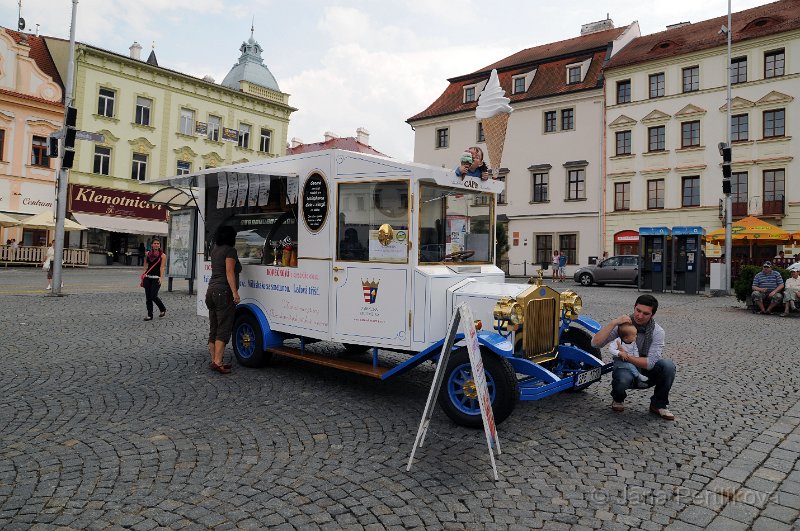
{"x":460,"y":389}
{"x":246,"y":348}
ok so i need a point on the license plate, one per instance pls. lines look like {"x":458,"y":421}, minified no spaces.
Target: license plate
{"x":588,"y":377}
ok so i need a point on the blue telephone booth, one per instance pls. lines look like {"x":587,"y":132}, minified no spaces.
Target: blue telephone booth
{"x":688,"y":259}
{"x":653,"y":258}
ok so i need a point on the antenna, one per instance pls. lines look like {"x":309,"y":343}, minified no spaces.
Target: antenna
{"x":20,"y":20}
{"x":252,"y":26}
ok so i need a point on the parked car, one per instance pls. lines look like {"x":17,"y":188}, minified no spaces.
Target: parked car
{"x":614,"y":270}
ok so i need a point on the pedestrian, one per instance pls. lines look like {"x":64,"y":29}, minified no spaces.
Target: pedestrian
{"x":142,"y":252}
{"x":767,"y":284}
{"x":562,"y":267}
{"x":555,"y":263}
{"x":152,"y":275}
{"x":222,"y":296}
{"x":660,"y":371}
{"x":47,"y":263}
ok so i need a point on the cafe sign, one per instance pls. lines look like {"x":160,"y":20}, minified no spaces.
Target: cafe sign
{"x":111,"y":202}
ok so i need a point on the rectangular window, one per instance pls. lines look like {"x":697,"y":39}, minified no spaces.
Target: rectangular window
{"x":540,"y":187}
{"x":623,"y":143}
{"x":187,"y":122}
{"x":691,"y":79}
{"x":266,"y":139}
{"x":567,"y":119}
{"x":549,"y":121}
{"x":143,"y":106}
{"x":773,"y":63}
{"x":519,"y":85}
{"x":575,"y":74}
{"x":544,"y":248}
{"x":568,"y":245}
{"x":738,"y":70}
{"x":214,"y":123}
{"x":39,"y":152}
{"x":442,"y":137}
{"x":469,"y":94}
{"x":739,"y":187}
{"x":184,"y":168}
{"x":655,"y":193}
{"x":624,"y":91}
{"x":691,"y":191}
{"x":102,"y":160}
{"x":774,"y":185}
{"x":501,"y":197}
{"x":657,"y":85}
{"x":481,"y":136}
{"x":2,"y":143}
{"x":139,"y":167}
{"x":690,"y":134}
{"x":774,"y":123}
{"x":244,"y":136}
{"x":655,"y":138}
{"x":740,"y":128}
{"x":576,"y":184}
{"x":622,"y":196}
{"x":105,"y":102}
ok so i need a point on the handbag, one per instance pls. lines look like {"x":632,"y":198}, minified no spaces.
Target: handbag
{"x":46,"y":265}
{"x":141,"y":280}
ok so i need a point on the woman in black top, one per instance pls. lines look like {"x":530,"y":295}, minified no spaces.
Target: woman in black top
{"x":222,"y":296}
{"x":154,"y":265}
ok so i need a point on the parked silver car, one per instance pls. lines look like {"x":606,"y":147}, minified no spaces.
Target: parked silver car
{"x":622,"y":269}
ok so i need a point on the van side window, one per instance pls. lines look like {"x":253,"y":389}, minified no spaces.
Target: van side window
{"x":363,"y":208}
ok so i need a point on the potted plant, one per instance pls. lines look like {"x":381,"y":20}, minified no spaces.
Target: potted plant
{"x":109,"y":258}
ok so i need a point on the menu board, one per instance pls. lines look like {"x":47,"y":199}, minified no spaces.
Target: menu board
{"x":315,"y":202}
{"x":180,"y":263}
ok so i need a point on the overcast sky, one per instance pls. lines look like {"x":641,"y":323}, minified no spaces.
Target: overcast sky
{"x":347,"y":63}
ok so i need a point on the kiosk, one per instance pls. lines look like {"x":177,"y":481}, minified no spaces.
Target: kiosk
{"x":688,"y":259}
{"x":653,"y":255}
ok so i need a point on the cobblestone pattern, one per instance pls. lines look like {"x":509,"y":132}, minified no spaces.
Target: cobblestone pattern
{"x":109,"y":421}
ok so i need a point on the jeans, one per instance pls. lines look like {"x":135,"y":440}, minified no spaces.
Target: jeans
{"x":151,"y":287}
{"x":661,"y":376}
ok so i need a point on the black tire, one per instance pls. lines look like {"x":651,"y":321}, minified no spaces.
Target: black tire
{"x":500,"y":378}
{"x":248,"y":342}
{"x":585,"y":279}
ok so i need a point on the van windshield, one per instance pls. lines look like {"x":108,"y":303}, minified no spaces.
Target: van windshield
{"x":455,"y":225}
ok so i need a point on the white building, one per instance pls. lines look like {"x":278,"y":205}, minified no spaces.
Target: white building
{"x":553,"y":157}
{"x":666,"y":113}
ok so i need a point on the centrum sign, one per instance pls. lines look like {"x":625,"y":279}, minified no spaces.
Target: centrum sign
{"x":111,"y":202}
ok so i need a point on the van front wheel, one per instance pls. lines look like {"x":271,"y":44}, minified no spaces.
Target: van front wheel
{"x":248,"y":342}
{"x":458,"y":396}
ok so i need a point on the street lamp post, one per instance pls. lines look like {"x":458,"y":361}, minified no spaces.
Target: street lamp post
{"x":61,"y":198}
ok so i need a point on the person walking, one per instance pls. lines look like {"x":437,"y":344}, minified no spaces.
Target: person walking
{"x":47,"y":263}
{"x":152,"y":275}
{"x":222,"y":296}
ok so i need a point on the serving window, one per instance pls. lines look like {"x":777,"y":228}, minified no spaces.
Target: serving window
{"x":262,"y":209}
{"x":373,"y":222}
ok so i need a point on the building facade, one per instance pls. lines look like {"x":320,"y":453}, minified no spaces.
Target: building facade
{"x":666,"y":113}
{"x":31,"y":108}
{"x":155,"y":122}
{"x":553,"y":156}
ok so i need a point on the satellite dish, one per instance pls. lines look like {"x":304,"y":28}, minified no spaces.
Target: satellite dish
{"x":21,"y":24}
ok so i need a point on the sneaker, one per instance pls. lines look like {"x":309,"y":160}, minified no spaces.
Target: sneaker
{"x":662,"y":412}
{"x":49,"y":287}
{"x":617,"y":406}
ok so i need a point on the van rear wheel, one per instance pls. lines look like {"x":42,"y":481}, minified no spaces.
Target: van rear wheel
{"x":458,"y":396}
{"x":248,"y":342}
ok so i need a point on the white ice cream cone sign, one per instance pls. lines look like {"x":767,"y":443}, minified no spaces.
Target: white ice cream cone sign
{"x":493,"y":111}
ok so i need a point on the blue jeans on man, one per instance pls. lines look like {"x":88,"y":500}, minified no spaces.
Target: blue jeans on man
{"x":660,"y":376}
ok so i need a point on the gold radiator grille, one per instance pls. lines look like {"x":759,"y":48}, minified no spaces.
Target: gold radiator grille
{"x":539,"y":328}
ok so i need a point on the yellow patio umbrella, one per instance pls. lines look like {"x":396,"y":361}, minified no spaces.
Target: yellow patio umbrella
{"x":46,"y":220}
{"x":752,"y":230}
{"x":7,"y":221}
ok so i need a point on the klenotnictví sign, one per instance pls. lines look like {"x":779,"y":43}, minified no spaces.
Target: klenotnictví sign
{"x":111,"y":202}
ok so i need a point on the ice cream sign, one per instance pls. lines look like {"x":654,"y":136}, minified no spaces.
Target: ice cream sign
{"x":493,"y":111}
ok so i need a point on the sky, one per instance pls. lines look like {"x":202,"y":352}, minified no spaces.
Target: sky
{"x":347,"y":63}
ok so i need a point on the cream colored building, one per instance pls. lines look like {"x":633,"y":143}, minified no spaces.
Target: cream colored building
{"x":157,"y":122}
{"x":666,"y":106}
{"x":553,"y":157}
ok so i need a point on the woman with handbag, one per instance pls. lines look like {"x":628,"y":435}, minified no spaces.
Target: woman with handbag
{"x":154,"y":265}
{"x":47,"y":265}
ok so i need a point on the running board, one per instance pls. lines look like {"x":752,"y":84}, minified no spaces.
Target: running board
{"x":357,"y":367}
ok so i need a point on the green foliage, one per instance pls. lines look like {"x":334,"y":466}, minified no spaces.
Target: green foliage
{"x":744,"y":280}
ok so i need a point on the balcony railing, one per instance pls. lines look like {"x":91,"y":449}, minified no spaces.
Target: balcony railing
{"x":775,"y":208}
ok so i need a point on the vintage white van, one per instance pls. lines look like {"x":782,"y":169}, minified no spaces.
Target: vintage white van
{"x":376,"y":254}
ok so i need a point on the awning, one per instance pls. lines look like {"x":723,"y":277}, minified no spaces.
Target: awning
{"x":123,"y":225}
{"x":174,"y":197}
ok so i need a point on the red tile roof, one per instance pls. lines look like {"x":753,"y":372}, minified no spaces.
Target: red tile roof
{"x":550,"y":61}
{"x":347,"y":143}
{"x":39,"y":54}
{"x":769,"y":19}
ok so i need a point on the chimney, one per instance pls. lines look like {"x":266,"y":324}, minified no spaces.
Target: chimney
{"x":296,"y":142}
{"x":136,"y":51}
{"x":330,"y":136}
{"x":594,"y":27}
{"x":362,"y":135}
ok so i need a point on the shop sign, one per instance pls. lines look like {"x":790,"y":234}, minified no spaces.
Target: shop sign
{"x":28,"y":198}
{"x":626,"y":236}
{"x":111,"y":202}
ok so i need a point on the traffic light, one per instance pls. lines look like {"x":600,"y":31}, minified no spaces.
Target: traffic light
{"x":52,"y":147}
{"x":727,"y":153}
{"x":69,"y":137}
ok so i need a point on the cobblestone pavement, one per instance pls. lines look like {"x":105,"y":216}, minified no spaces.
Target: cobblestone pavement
{"x":109,"y":421}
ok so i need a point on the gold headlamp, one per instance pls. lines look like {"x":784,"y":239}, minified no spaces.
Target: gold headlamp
{"x":508,"y":310}
{"x":571,"y":303}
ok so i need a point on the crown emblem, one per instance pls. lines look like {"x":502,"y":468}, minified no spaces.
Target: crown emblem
{"x":370,"y":290}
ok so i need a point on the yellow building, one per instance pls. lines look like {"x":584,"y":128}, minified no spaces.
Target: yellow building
{"x":157,"y":122}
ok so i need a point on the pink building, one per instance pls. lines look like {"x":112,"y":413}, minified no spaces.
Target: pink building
{"x":31,"y":108}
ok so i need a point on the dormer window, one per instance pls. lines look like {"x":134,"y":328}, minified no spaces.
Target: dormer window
{"x":518,"y":84}
{"x":469,"y":94}
{"x":574,"y":74}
